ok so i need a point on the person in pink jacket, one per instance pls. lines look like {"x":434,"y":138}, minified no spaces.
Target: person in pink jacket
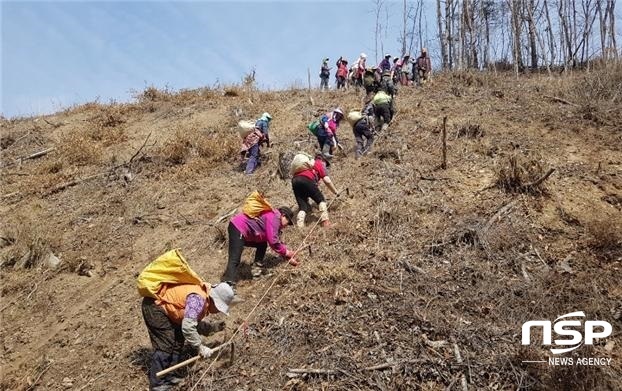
{"x":259,"y":232}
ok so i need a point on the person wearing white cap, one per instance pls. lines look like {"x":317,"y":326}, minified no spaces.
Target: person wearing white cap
{"x":251,"y":143}
{"x":360,"y":70}
{"x":177,"y":316}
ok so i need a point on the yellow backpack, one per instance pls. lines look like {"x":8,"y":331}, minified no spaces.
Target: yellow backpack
{"x":169,"y":268}
{"x":255,"y":204}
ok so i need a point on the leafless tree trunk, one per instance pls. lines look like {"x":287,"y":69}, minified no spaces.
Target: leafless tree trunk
{"x":412,"y":14}
{"x":421,"y":41}
{"x":404,"y":21}
{"x":602,"y":19}
{"x":531,"y":25}
{"x":464,"y":14}
{"x":378,"y":9}
{"x":471,"y":23}
{"x":612,"y":28}
{"x":549,"y":29}
{"x":485,"y":14}
{"x":448,"y":32}
{"x":515,"y":11}
{"x":565,"y":32}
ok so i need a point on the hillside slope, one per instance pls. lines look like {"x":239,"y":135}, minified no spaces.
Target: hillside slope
{"x":421,"y":262}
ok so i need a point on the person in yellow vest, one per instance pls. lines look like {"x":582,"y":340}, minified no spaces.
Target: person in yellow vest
{"x":383,"y":110}
{"x":177,"y":316}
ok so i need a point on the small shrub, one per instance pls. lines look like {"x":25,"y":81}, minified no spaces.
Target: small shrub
{"x":80,"y":150}
{"x":177,"y":149}
{"x":27,"y":244}
{"x":152,"y":94}
{"x":216,"y":148}
{"x":53,"y":167}
{"x":470,"y":131}
{"x":6,"y":141}
{"x":605,"y":238}
{"x":517,"y":174}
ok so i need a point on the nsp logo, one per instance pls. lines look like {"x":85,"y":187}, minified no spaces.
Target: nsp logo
{"x":592,"y":329}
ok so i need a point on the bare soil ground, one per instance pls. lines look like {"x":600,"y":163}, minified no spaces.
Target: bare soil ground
{"x":423,"y":283}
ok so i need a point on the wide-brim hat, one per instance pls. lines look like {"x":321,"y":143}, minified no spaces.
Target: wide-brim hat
{"x":222,"y":295}
{"x":288,"y":213}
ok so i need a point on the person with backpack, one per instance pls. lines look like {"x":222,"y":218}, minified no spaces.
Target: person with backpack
{"x":259,"y":232}
{"x":386,"y":84}
{"x":327,"y":131}
{"x":363,"y":128}
{"x":370,"y":82}
{"x":251,"y":143}
{"x":324,"y":74}
{"x":305,"y":182}
{"x":177,"y":316}
{"x":342,"y":72}
{"x":383,"y":110}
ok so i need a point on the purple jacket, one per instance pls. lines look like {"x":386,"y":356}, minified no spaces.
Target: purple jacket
{"x":265,"y":228}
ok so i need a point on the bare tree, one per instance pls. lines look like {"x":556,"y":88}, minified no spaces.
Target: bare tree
{"x":602,"y":19}
{"x":442,"y":37}
{"x":612,"y":28}
{"x":488,"y":13}
{"x":405,"y":14}
{"x":448,"y":32}
{"x":378,"y":4}
{"x":549,"y":30}
{"x":531,"y":27}
{"x":515,"y":7}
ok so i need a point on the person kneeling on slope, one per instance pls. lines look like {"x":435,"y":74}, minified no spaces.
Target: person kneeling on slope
{"x":305,"y":186}
{"x":259,"y":232}
{"x":177,"y":317}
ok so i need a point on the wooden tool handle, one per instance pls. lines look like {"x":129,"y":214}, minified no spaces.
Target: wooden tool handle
{"x":188,"y":361}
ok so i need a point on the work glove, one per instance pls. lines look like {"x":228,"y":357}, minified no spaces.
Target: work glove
{"x":205,"y":352}
{"x":289,"y":254}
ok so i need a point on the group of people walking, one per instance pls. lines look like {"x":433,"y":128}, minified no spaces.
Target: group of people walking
{"x":402,"y":70}
{"x":177,"y":315}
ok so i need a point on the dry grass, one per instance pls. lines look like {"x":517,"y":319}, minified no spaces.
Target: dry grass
{"x":78,"y":149}
{"x":595,"y":96}
{"x":516,"y":172}
{"x":210,"y":146}
{"x":25,"y":243}
{"x":177,"y":149}
{"x":605,"y":238}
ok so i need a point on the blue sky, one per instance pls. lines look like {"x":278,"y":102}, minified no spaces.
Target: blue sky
{"x":55,"y":54}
